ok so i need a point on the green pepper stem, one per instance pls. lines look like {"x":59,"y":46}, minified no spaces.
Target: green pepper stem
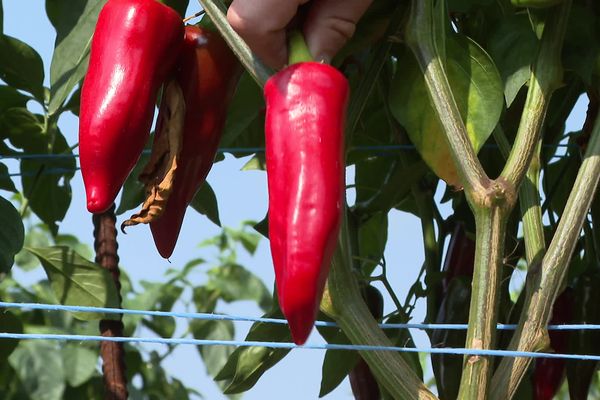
{"x":297,"y":48}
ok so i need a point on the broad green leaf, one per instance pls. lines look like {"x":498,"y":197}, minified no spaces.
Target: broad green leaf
{"x":337,"y":364}
{"x":93,"y":389}
{"x":24,"y":129}
{"x":178,"y":5}
{"x":6,"y":183}
{"x":372,"y":238}
{"x":246,"y":107}
{"x":559,"y":178}
{"x":21,"y":66}
{"x":580,"y":49}
{"x":73,"y":243}
{"x":214,"y":357}
{"x":74,"y":23}
{"x":11,"y":97}
{"x":77,"y":281}
{"x":513,"y":46}
{"x":79,"y":363}
{"x":247,"y":364}
{"x":205,"y":202}
{"x":168,"y":295}
{"x":40,"y":369}
{"x":35,"y":236}
{"x":477,"y":89}
{"x":9,"y":323}
{"x":12,"y":234}
{"x":233,"y":283}
{"x":46,"y":182}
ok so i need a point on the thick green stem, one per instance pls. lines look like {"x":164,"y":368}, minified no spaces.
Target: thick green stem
{"x":546,"y":77}
{"x":351,"y":313}
{"x":545,"y":279}
{"x":420,"y":37}
{"x":490,"y":233}
{"x":216,"y":10}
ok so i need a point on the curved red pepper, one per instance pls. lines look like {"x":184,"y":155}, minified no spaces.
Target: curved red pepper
{"x":549,"y":372}
{"x":134,"y":48}
{"x":306,"y":106}
{"x":208,"y":73}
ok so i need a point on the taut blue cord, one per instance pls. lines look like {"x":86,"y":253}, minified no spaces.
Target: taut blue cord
{"x":285,"y":345}
{"x":223,"y":317}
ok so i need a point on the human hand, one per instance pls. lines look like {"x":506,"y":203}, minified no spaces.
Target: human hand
{"x":328,"y":25}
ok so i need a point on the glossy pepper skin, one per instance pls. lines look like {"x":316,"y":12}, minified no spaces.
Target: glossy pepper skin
{"x":549,"y":373}
{"x":304,"y":128}
{"x":207,"y":73}
{"x":135,"y":46}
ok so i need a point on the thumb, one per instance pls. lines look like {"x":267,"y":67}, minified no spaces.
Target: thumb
{"x":330,"y":23}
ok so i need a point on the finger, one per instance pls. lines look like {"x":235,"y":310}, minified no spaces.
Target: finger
{"x":262,"y":23}
{"x":330,"y":23}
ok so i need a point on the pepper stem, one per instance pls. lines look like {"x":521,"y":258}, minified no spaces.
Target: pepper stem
{"x":297,"y":48}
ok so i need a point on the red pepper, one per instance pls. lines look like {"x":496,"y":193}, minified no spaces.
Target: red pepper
{"x":460,"y":256}
{"x":208,"y":73}
{"x":134,"y":48}
{"x":306,"y":106}
{"x":549,"y":373}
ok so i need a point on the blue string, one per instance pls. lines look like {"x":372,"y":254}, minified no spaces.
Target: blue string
{"x":243,"y":150}
{"x":285,"y":345}
{"x":223,"y":317}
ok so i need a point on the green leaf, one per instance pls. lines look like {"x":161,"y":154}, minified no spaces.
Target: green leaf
{"x":214,"y":357}
{"x":40,"y":369}
{"x":12,"y":234}
{"x":205,"y":202}
{"x":247,"y":364}
{"x":9,"y":323}
{"x":513,"y":46}
{"x":337,"y":364}
{"x":372,"y":238}
{"x":246,"y":107}
{"x":74,"y":244}
{"x":580,"y":49}
{"x":168,"y":295}
{"x":178,"y":5}
{"x":46,"y":182}
{"x":79,"y":363}
{"x":36,"y":236}
{"x":77,"y":281}
{"x":24,"y":129}
{"x":477,"y":88}
{"x":11,"y":97}
{"x":234,"y":282}
{"x":21,"y":66}
{"x":74,"y":23}
{"x":559,"y":178}
{"x":6,"y":183}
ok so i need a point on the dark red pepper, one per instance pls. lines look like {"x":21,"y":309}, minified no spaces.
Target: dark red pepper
{"x":549,"y":372}
{"x":134,"y":49}
{"x":306,"y":106}
{"x":208,"y":74}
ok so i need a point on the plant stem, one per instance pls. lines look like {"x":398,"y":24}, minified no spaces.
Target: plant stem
{"x":112,"y":353}
{"x":546,"y":76}
{"x":489,"y":252}
{"x":421,"y":39}
{"x":216,"y":10}
{"x":355,"y":319}
{"x":545,"y":279}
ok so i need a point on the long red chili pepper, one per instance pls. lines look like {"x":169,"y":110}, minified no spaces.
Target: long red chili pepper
{"x":208,"y":73}
{"x":306,"y":106}
{"x":134,"y":48}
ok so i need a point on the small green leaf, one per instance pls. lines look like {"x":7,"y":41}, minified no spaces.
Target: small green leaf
{"x":234,"y":282}
{"x":40,"y":369}
{"x":247,"y":364}
{"x":74,"y":25}
{"x":6,"y":183}
{"x":9,"y":323}
{"x":80,"y":363}
{"x":11,"y":97}
{"x":77,"y":281}
{"x":337,"y":364}
{"x":36,"y":236}
{"x":477,"y":88}
{"x":513,"y":46}
{"x":372,"y":239}
{"x":21,"y":66}
{"x":214,"y":357}
{"x":205,"y":202}
{"x":245,"y":108}
{"x":12,"y":234}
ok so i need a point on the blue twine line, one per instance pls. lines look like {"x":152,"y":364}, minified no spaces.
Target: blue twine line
{"x":234,"y":150}
{"x":224,"y":317}
{"x":290,"y":346}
